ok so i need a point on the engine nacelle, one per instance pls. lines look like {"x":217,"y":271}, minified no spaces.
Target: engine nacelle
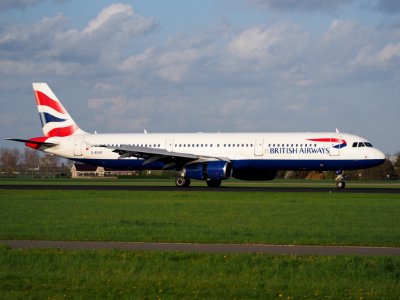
{"x":208,"y":170}
{"x":254,"y":174}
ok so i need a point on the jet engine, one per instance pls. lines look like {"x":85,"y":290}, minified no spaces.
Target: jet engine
{"x":208,"y":170}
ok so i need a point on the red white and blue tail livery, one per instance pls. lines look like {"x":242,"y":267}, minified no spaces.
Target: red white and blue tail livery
{"x":55,"y":119}
{"x":211,"y":157}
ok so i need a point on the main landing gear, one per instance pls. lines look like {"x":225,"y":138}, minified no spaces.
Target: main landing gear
{"x":214,"y":182}
{"x":182,"y":181}
{"x":340,"y":183}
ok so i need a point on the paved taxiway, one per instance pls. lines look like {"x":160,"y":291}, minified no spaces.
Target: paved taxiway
{"x":197,"y":188}
{"x":207,"y":248}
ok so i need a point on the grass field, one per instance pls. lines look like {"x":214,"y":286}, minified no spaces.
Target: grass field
{"x":275,"y":218}
{"x":59,"y":274}
{"x":203,"y":217}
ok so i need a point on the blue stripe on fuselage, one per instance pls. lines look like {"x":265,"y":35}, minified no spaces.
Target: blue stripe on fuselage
{"x":314,"y":165}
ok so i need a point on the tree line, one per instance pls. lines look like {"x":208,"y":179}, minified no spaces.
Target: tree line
{"x":32,"y":163}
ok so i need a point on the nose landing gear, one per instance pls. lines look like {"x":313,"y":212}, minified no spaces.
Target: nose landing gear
{"x":340,"y":183}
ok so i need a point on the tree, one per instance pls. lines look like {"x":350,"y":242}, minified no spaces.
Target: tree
{"x":9,"y":159}
{"x":396,"y":165}
{"x":381,"y":172}
{"x":49,"y":164}
{"x":30,"y":160}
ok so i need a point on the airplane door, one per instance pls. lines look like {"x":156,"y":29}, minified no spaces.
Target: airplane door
{"x":258,"y":147}
{"x":334,"y":149}
{"x":78,"y":146}
{"x":169,"y":145}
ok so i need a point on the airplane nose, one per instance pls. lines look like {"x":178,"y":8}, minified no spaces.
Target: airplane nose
{"x":379,"y":155}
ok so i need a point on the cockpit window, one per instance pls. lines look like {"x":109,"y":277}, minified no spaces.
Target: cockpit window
{"x":362,"y":144}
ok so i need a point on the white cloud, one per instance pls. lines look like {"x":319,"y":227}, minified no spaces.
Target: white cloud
{"x":21,"y":68}
{"x":119,"y":20}
{"x":255,"y":43}
{"x":171,"y":64}
{"x":388,"y":56}
{"x":304,"y":5}
{"x":114,"y":106}
{"x":52,"y":40}
{"x":261,"y":48}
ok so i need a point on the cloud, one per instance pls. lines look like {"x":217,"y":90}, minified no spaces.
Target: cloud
{"x":22,"y":41}
{"x":106,"y":36}
{"x":261,"y":47}
{"x":388,"y":6}
{"x":6,"y":5}
{"x":17,"y":4}
{"x":118,"y":19}
{"x":170,"y":63}
{"x":52,"y":39}
{"x":304,"y":5}
{"x":388,"y":56}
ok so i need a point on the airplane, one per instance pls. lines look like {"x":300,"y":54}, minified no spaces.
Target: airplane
{"x":211,"y":157}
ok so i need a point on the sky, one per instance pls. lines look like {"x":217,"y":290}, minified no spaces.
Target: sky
{"x":209,"y":66}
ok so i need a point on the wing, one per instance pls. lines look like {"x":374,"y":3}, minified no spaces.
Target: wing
{"x":171,"y":160}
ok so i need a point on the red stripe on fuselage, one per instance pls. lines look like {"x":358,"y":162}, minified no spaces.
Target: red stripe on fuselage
{"x":43,"y":99}
{"x":328,"y":140}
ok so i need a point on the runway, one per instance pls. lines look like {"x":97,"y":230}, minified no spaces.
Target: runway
{"x":207,"y":248}
{"x":198,"y":189}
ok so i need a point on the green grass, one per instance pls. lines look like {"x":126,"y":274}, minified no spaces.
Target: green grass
{"x":65,"y":274}
{"x":203,"y":217}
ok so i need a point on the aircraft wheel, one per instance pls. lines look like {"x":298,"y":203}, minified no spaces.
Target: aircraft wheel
{"x":214,"y":182}
{"x":182,"y":181}
{"x":340,"y":184}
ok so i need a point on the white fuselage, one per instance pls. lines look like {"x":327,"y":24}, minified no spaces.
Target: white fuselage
{"x":296,"y":151}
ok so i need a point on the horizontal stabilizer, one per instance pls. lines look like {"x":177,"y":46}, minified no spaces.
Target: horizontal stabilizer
{"x":33,"y":142}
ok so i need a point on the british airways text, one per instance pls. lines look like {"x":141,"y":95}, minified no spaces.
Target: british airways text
{"x":293,"y":150}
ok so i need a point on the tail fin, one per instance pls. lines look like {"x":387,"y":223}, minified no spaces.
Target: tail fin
{"x":55,"y":119}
